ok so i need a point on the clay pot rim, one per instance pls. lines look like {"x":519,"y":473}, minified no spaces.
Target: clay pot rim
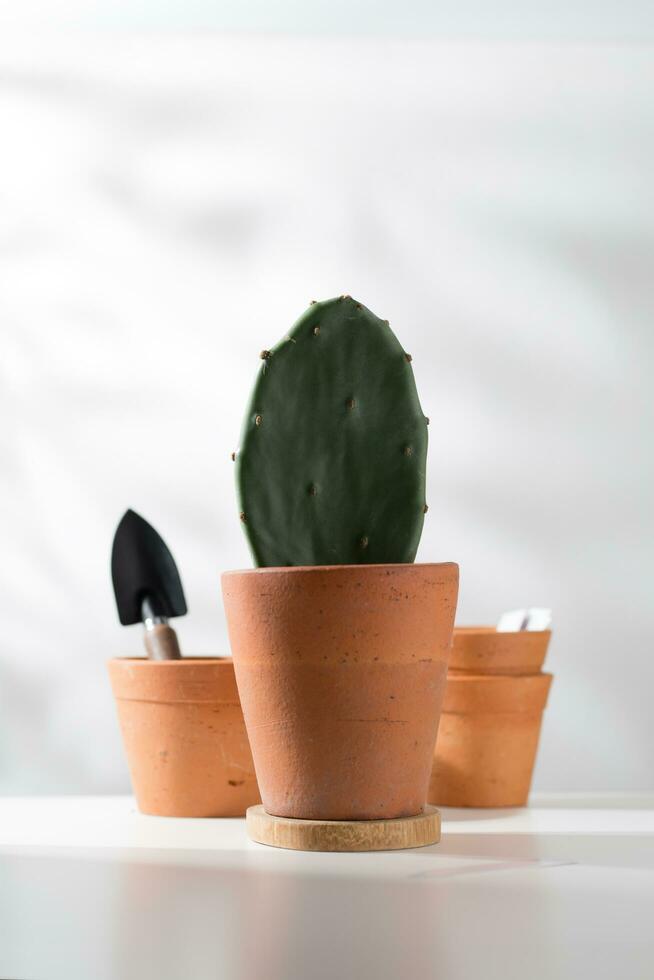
{"x":290,"y":569}
{"x":466,"y":675}
{"x":485,"y":630}
{"x":188,"y":680}
{"x":171,"y":664}
{"x":492,"y":694}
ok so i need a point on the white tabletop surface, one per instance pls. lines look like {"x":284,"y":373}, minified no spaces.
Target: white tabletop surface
{"x":92,"y":890}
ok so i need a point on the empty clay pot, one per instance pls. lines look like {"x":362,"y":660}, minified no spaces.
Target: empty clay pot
{"x":482,"y":650}
{"x":341,"y":671}
{"x":184,"y":736}
{"x":491,"y":718}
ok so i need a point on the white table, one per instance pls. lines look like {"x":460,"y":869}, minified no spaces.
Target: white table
{"x":92,"y":890}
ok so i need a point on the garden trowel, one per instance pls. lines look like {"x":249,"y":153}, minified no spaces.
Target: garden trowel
{"x":147,"y":585}
{"x":534,"y":619}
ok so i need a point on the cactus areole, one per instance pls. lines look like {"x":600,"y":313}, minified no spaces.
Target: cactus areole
{"x":331,"y":466}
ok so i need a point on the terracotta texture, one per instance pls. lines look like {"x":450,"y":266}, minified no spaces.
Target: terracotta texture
{"x":341,"y":671}
{"x":491,"y":719}
{"x":482,"y":650}
{"x":184,"y":736}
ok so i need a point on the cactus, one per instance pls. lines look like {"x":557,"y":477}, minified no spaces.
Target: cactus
{"x":331,"y":467}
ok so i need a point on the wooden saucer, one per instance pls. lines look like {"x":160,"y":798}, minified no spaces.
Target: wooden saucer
{"x":344,"y":835}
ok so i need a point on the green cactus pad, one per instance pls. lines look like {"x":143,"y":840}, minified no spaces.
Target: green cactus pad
{"x":331,"y":468}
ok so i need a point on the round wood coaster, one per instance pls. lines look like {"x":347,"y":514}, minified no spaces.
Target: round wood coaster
{"x":344,"y":835}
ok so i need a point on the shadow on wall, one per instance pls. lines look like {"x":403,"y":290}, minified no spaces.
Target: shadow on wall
{"x":174,"y":207}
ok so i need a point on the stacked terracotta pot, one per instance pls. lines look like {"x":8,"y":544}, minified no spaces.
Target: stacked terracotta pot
{"x":491,"y":718}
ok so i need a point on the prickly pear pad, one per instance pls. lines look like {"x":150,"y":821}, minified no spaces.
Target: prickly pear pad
{"x":331,"y":467}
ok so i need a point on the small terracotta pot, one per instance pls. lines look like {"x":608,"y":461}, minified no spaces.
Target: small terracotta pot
{"x":491,"y":718}
{"x":184,"y":736}
{"x":341,"y":671}
{"x":482,"y":650}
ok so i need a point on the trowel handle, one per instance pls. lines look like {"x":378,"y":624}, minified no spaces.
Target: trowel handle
{"x":161,"y":642}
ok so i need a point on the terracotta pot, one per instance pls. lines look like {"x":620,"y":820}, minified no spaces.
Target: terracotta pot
{"x":184,"y":735}
{"x":341,"y":671}
{"x":488,"y":736}
{"x":482,"y":650}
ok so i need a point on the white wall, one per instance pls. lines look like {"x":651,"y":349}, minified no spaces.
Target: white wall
{"x":168,"y":207}
{"x":556,"y":20}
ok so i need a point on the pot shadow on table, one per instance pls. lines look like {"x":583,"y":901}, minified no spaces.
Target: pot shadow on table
{"x":462,"y":815}
{"x":608,"y":850}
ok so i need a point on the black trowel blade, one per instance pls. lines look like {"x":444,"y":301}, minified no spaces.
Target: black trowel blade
{"x":142,"y":565}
